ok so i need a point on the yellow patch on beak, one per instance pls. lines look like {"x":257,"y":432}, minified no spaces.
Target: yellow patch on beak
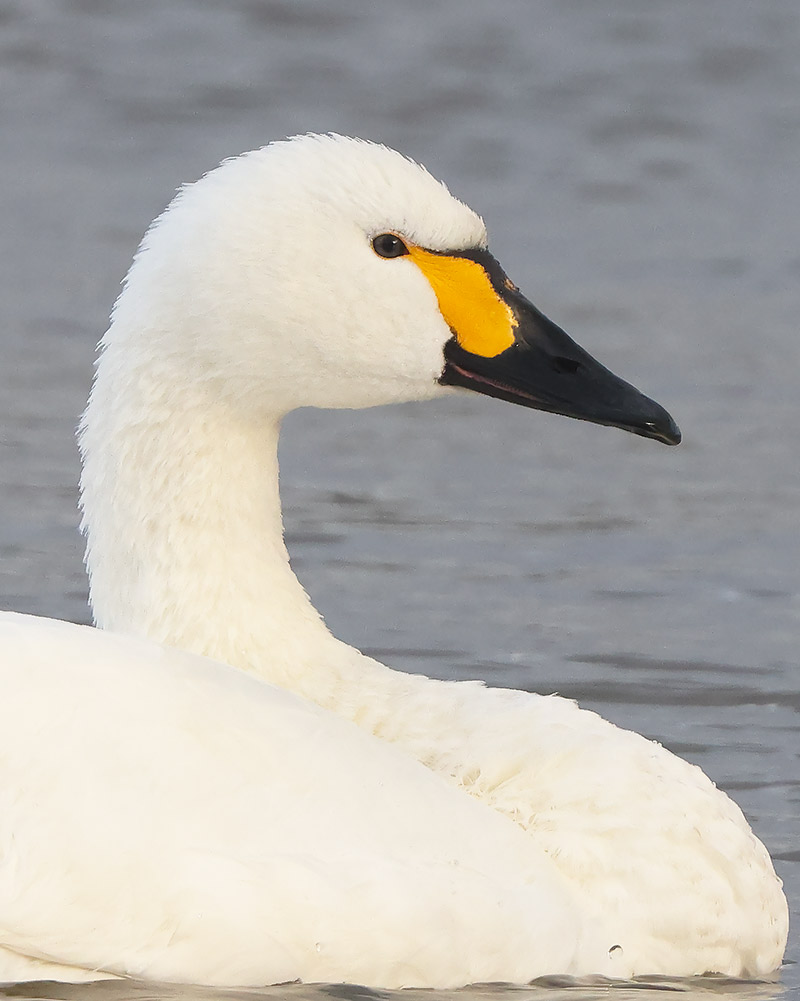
{"x":482,"y":323}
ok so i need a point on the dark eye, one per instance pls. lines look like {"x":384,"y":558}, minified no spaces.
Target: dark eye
{"x":389,"y":245}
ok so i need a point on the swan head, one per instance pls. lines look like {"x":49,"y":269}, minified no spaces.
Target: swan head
{"x":332,"y":272}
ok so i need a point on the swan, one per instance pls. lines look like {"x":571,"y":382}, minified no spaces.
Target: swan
{"x":210,"y":787}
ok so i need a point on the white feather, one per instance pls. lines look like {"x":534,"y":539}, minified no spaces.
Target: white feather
{"x":172,"y":817}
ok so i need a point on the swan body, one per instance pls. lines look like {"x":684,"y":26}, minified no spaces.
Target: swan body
{"x":196,"y":758}
{"x":230,"y":795}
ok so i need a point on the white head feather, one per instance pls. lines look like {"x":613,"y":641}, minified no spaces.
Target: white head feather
{"x":260,"y":278}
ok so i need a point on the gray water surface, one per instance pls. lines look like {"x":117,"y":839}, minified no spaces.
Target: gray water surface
{"x":637,"y":165}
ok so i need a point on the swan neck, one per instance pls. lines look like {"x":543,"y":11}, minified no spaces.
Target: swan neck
{"x":181,"y":511}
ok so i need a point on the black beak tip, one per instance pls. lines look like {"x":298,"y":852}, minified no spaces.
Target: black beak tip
{"x":665,"y":430}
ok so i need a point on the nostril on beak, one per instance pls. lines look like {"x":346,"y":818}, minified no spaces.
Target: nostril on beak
{"x":568,"y":365}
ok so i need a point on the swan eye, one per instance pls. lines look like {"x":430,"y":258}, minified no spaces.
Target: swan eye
{"x":389,"y":245}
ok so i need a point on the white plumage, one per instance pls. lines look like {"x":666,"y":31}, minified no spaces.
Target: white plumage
{"x":169,"y":816}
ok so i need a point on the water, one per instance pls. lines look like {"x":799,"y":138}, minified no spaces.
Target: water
{"x":637,"y":167}
{"x":546,"y":989}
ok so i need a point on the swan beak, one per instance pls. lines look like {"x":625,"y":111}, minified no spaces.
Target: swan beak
{"x":538,"y":365}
